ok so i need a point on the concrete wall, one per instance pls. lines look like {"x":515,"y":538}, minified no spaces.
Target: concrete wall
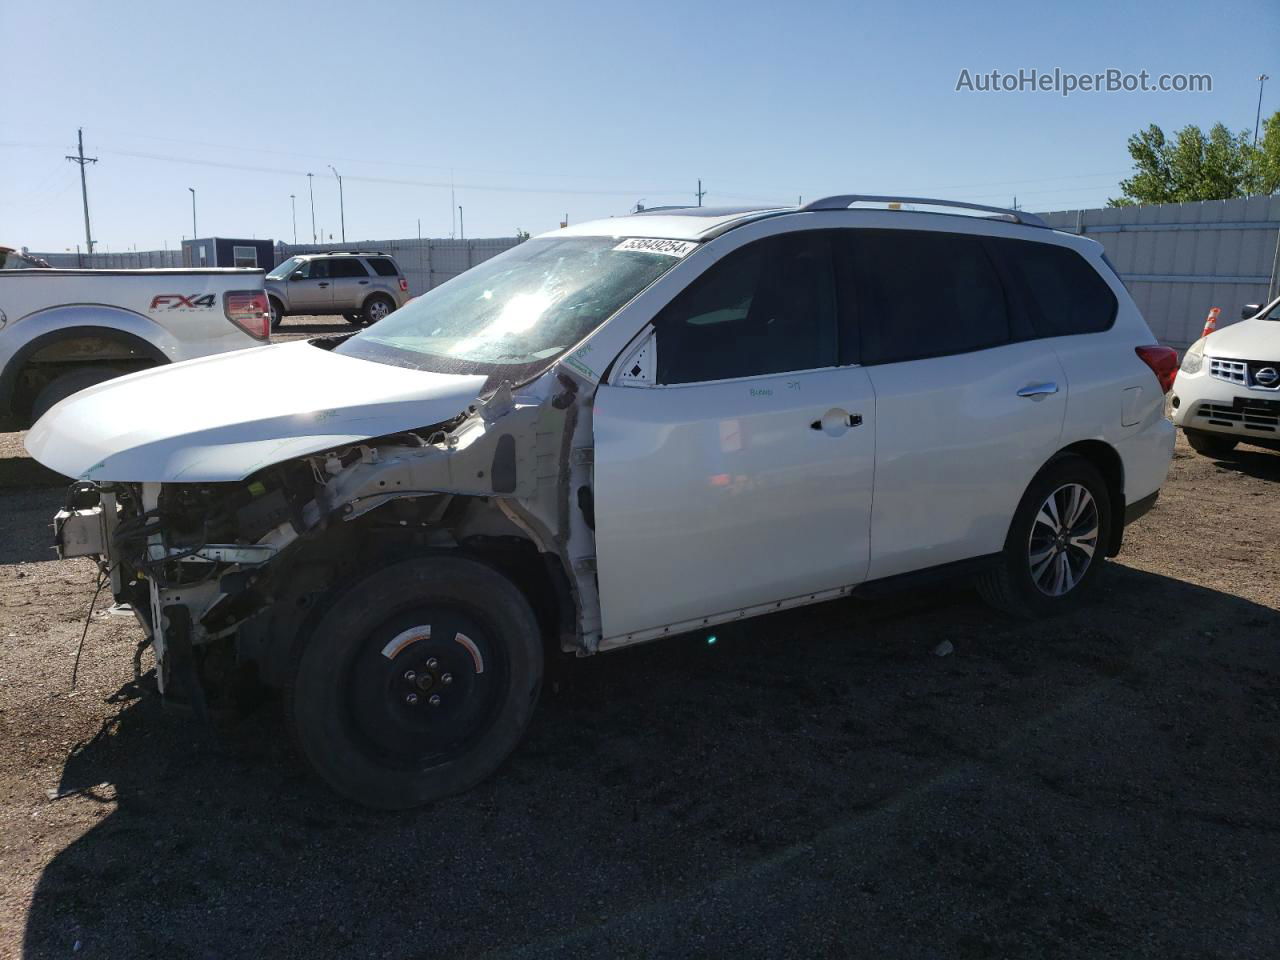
{"x":1180,"y":259}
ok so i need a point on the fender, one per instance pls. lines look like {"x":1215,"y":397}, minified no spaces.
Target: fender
{"x":21,"y":340}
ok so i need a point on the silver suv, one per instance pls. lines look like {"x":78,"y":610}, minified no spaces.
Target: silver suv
{"x":363,"y":287}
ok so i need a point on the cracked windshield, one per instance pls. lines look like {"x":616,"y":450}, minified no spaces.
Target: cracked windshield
{"x":523,"y":307}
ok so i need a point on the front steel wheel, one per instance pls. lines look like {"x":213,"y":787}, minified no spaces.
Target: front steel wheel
{"x":418,"y":681}
{"x":1064,"y":537}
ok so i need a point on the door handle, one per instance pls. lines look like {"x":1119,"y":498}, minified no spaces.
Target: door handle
{"x":837,"y":419}
{"x":324,"y":283}
{"x":364,"y":281}
{"x":1038,"y":391}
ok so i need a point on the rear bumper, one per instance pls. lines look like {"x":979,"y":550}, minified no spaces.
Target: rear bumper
{"x":1140,"y":508}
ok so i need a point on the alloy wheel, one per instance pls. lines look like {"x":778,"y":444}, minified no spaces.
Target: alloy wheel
{"x":1064,"y":538}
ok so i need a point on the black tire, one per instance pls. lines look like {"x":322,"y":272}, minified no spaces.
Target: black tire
{"x":1214,"y":445}
{"x":1021,"y":588}
{"x":439,"y":626}
{"x":356,"y":319}
{"x":374,"y":307}
{"x":64,"y":385}
{"x":277,"y":312}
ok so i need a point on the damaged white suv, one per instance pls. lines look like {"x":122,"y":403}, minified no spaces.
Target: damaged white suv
{"x":614,"y":432}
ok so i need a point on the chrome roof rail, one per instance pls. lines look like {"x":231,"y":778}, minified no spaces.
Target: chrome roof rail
{"x":843,"y":201}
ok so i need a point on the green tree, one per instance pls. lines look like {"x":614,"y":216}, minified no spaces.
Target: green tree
{"x":1199,"y":166}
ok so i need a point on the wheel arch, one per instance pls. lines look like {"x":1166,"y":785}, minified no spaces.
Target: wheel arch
{"x":1106,"y":459}
{"x":60,"y":346}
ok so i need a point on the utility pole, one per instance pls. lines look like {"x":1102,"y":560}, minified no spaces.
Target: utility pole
{"x":342,"y":210}
{"x":701,"y":193}
{"x":194,"y":232}
{"x":1257,"y":117}
{"x":462,"y":229}
{"x":81,"y":159}
{"x":293,"y":205}
{"x":312,"y":194}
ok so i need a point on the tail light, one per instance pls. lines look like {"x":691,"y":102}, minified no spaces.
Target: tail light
{"x":1163,"y":362}
{"x":249,"y":310}
{"x":404,"y":285}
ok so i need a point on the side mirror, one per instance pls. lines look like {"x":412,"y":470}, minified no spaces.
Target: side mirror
{"x":1250,"y":310}
{"x":296,"y":275}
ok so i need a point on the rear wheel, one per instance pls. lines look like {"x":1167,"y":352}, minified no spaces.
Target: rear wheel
{"x":64,"y":385}
{"x":377,"y":307}
{"x":1210,"y":444}
{"x":418,"y":682}
{"x":1055,"y":544}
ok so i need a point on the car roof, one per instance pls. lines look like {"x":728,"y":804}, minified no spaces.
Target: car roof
{"x":671,"y":223}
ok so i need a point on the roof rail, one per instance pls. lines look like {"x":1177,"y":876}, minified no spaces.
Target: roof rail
{"x":843,"y":201}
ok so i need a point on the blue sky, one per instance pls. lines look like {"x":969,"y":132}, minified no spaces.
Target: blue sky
{"x":538,"y":110}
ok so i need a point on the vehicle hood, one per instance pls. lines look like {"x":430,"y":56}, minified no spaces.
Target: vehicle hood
{"x":1247,"y":340}
{"x":227,"y":416}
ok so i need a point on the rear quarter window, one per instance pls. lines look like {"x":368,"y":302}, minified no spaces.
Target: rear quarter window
{"x":1066,"y":294}
{"x":383,"y":267}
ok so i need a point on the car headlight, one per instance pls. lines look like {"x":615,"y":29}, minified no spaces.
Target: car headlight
{"x":1193,"y":359}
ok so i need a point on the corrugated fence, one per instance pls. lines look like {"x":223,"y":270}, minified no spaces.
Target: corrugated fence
{"x":426,"y":263}
{"x":1180,"y":259}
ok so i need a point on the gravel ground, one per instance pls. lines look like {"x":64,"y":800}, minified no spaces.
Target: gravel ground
{"x":816,"y":783}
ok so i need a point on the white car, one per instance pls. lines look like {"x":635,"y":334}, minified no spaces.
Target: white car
{"x":1228,"y":388}
{"x":612,"y":433}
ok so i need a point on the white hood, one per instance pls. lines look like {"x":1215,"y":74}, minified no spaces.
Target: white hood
{"x":226,"y":416}
{"x":1247,"y":340}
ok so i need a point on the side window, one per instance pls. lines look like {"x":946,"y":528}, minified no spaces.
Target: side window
{"x":383,"y":267}
{"x":924,"y":295}
{"x":316,"y":270}
{"x":767,"y":308}
{"x":1066,"y":294}
{"x":347,"y":267}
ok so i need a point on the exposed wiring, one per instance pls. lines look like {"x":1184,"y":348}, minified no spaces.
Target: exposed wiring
{"x":104,"y":575}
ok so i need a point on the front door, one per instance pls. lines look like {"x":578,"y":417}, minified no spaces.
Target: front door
{"x":313,"y":291}
{"x":742,"y":476}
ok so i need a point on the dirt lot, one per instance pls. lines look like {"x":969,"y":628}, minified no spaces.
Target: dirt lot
{"x":816,"y":783}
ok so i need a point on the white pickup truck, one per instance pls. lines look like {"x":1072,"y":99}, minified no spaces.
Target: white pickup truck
{"x":62,"y":331}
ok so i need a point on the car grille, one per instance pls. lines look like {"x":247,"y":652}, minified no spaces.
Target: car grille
{"x":1261,"y":419}
{"x":1245,"y":372}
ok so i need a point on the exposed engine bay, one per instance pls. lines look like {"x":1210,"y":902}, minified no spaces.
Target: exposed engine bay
{"x":228,"y":577}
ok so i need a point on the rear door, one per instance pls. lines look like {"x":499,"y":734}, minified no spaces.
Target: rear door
{"x":350,"y":282}
{"x":742,"y":475}
{"x":968,"y":405}
{"x":313,"y":293}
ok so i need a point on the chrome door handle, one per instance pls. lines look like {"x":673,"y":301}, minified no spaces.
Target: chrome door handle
{"x":1038,"y":391}
{"x":364,"y":281}
{"x":324,"y":284}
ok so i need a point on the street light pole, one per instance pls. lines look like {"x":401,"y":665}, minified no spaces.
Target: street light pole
{"x":462,"y":229}
{"x":342,"y":210}
{"x":293,"y":205}
{"x":194,"y":232}
{"x":312,"y":194}
{"x":1257,"y":117}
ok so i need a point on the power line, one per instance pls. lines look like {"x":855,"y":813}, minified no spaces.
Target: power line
{"x":81,"y":159}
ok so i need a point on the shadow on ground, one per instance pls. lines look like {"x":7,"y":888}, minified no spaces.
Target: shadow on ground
{"x":815,"y":783}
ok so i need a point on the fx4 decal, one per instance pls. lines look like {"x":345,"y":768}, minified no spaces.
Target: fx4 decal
{"x":175,"y":301}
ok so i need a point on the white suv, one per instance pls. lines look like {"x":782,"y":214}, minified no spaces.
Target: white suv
{"x":612,"y":433}
{"x":1228,"y":390}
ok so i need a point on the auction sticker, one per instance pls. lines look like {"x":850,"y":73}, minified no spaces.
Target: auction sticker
{"x":668,"y":248}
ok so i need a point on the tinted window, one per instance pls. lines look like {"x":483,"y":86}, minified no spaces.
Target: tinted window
{"x":383,"y":267}
{"x":767,"y":308}
{"x":1066,"y":295}
{"x":316,"y":270}
{"x":924,"y":295}
{"x":347,"y":268}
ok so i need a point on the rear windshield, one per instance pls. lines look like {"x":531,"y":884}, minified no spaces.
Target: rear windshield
{"x":521,"y":309}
